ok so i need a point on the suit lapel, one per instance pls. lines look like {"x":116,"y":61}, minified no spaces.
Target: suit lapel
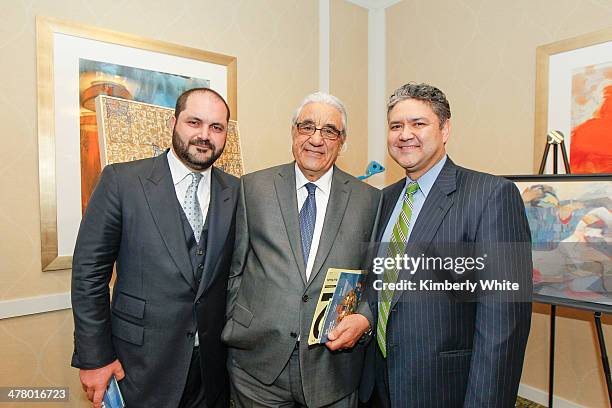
{"x":336,"y":206}
{"x":391,"y":195}
{"x":161,"y":197}
{"x":219,"y":220}
{"x":436,"y":205}
{"x":284,"y":183}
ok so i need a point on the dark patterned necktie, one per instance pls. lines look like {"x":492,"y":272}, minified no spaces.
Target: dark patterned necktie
{"x":308,"y":216}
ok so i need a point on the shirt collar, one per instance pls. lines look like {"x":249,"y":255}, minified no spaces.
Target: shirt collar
{"x":179,"y":171}
{"x":323,"y":183}
{"x":427,"y":180}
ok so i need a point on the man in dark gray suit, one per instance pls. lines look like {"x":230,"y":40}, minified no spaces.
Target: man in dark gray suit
{"x":293,"y":223}
{"x":167,"y":223}
{"x":447,"y":348}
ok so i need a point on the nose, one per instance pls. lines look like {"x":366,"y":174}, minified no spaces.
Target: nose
{"x":316,"y":139}
{"x":204,"y":132}
{"x":406,"y":134}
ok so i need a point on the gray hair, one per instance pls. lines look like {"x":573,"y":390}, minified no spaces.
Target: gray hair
{"x":429,"y":94}
{"x":328,"y":99}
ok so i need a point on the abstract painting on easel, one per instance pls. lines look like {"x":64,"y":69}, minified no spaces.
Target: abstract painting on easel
{"x":591,"y":138}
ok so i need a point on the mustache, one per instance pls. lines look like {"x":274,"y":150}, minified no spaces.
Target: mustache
{"x":201,"y":142}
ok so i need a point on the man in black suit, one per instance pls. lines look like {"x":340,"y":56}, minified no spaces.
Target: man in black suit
{"x":168,"y":225}
{"x":441,"y":347}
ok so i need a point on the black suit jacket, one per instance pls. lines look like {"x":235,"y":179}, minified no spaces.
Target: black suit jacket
{"x":133,"y":221}
{"x":453,"y":351}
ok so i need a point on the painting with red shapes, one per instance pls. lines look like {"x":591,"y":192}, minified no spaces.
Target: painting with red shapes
{"x":591,"y":139}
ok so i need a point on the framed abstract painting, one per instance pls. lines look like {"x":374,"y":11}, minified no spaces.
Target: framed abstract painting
{"x":76,"y":63}
{"x":574,"y":96}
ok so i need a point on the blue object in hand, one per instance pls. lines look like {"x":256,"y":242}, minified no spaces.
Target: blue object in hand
{"x":373,"y":168}
{"x":112,"y":396}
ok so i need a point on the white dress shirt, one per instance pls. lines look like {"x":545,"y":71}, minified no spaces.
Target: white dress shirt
{"x":181,"y":178}
{"x":321,"y":198}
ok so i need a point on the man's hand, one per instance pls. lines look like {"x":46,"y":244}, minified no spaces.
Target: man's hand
{"x":95,"y":381}
{"x":348,"y":332}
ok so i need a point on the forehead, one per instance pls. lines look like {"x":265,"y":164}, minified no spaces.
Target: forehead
{"x":412,"y":108}
{"x":204,"y":103}
{"x":321,"y":113}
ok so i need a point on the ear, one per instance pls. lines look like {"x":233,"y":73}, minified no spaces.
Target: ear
{"x":446,"y":129}
{"x":173,"y":121}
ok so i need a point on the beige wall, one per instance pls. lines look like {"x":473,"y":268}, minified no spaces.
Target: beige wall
{"x":349,"y":78}
{"x":482,"y":55}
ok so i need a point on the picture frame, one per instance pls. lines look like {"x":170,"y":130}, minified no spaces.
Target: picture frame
{"x":557,"y":67}
{"x":570,"y":217}
{"x":60,"y":46}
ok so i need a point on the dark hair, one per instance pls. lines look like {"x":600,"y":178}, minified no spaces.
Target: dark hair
{"x":182,"y":100}
{"x":434,"y":97}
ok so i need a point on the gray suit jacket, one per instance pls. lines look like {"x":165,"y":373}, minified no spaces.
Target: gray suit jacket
{"x":445,"y":351}
{"x":133,"y":219}
{"x":270,"y":302}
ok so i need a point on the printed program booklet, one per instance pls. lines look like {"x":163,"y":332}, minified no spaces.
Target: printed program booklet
{"x":339,"y":297}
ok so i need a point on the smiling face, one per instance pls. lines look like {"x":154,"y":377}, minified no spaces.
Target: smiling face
{"x":415,"y":139}
{"x":314,"y":154}
{"x":200,"y":131}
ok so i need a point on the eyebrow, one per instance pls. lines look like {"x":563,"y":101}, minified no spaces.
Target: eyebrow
{"x":417,"y":119}
{"x":327,"y":125}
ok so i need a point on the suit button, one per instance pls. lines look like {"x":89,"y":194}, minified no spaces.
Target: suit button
{"x":200,"y":266}
{"x":198,"y":302}
{"x":305,"y":298}
{"x":200,"y":252}
{"x":293,"y":334}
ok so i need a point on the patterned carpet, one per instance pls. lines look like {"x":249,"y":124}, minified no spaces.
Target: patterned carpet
{"x":525,"y":403}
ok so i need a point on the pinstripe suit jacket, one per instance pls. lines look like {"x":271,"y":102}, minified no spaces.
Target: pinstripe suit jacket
{"x":443,"y":352}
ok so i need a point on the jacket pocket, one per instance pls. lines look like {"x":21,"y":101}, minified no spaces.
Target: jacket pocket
{"x":242,"y":315}
{"x":456,"y":353}
{"x":455,"y":361}
{"x":130,"y":332}
{"x":129,"y":305}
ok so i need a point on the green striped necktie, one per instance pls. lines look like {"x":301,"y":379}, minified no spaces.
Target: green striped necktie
{"x":397,"y":244}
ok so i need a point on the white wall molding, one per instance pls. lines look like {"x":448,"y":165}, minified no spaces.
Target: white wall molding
{"x":374,"y":4}
{"x":33,"y":305}
{"x":377,"y":87}
{"x":324,"y":45}
{"x":541,"y":397}
{"x":377,"y":81}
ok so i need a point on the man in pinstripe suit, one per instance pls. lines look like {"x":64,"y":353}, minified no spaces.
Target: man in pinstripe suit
{"x":441,"y":348}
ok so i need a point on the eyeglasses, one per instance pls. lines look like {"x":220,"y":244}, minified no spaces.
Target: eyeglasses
{"x":309,"y":129}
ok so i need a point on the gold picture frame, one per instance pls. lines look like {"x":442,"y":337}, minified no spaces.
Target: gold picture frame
{"x":49,"y":30}
{"x":544,"y":54}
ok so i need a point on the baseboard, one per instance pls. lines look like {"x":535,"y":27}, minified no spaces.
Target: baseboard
{"x":33,"y":305}
{"x":541,"y":397}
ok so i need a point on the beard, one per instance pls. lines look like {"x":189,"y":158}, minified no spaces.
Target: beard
{"x":182,"y":151}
